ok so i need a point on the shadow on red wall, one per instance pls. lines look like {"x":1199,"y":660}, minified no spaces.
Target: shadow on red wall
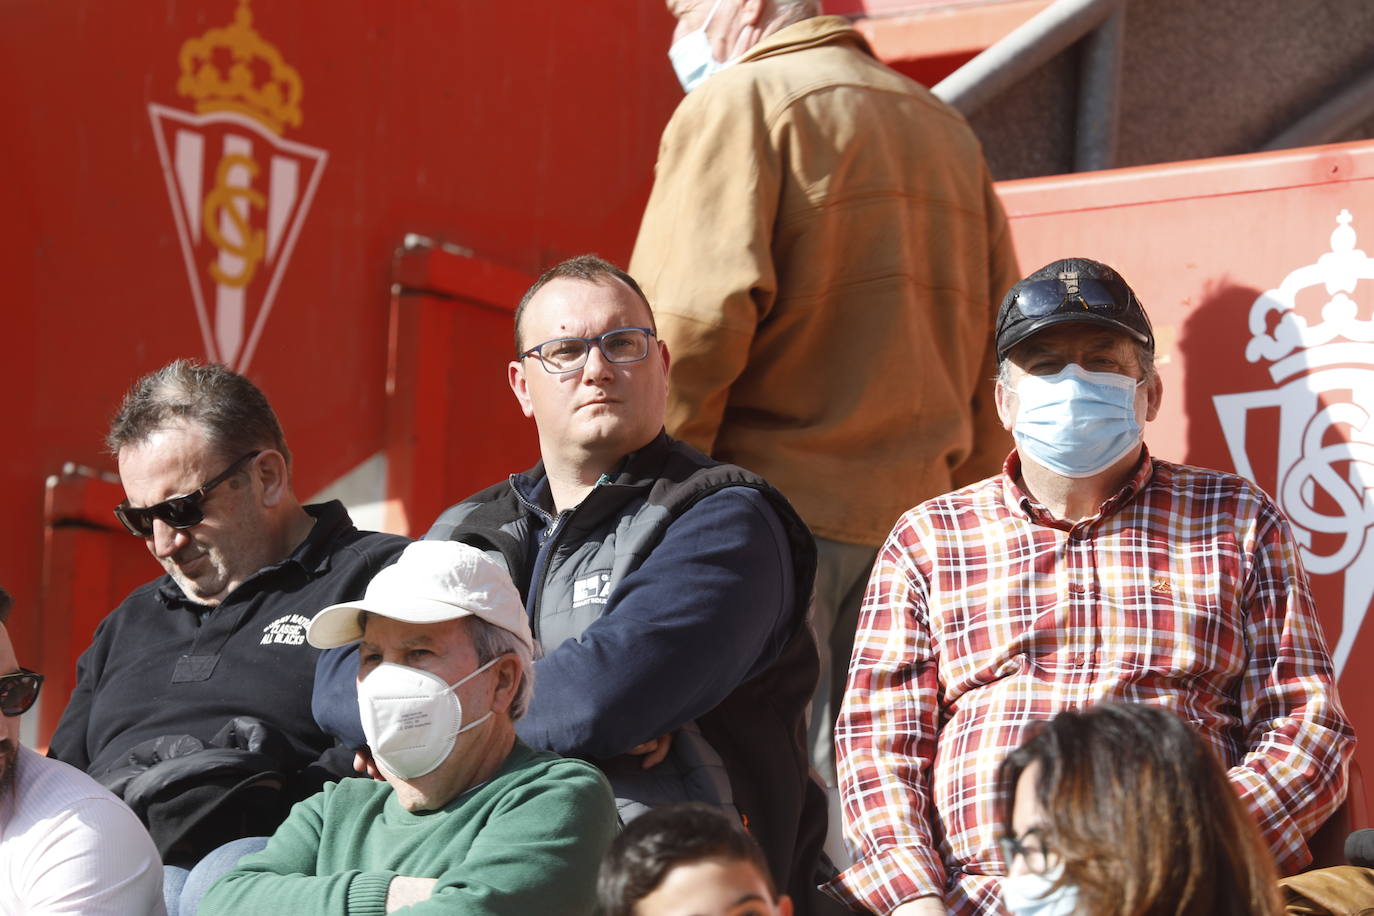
{"x":1259,"y":419}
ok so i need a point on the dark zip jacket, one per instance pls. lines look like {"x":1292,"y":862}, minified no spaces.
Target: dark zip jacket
{"x":672,"y":599}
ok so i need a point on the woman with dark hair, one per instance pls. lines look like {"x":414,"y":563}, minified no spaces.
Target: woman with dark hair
{"x":1122,"y":810}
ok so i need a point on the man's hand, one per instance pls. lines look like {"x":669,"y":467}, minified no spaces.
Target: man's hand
{"x":653,"y":751}
{"x":404,"y":891}
{"x":922,"y":906}
{"x":363,"y":763}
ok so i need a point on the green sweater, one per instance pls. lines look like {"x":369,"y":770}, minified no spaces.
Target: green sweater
{"x":527,"y":841}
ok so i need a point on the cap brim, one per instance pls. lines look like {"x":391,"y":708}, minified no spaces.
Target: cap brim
{"x":1008,"y":340}
{"x":337,"y":625}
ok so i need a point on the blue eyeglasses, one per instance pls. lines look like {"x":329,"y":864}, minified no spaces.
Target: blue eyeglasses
{"x":568,"y":354}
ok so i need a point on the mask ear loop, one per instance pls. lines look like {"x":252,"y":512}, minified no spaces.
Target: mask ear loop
{"x":460,"y":682}
{"x":709,"y":16}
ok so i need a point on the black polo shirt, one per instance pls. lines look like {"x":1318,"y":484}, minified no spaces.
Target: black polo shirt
{"x":163,"y":664}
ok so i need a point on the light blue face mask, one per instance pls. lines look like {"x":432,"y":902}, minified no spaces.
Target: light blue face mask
{"x":1035,"y":895}
{"x":692,"y":57}
{"x":1076,"y":423}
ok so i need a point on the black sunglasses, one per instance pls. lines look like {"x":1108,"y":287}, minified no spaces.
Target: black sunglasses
{"x":18,"y":691}
{"x":178,"y":511}
{"x":1045,"y":297}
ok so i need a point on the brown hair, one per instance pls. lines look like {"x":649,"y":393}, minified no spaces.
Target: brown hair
{"x":1142,"y":816}
{"x":665,"y":838}
{"x":232,"y":411}
{"x":5,"y":604}
{"x":587,"y":267}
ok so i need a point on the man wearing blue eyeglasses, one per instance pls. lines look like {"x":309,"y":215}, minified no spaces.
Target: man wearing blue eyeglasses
{"x":193,"y":702}
{"x":668,"y":591}
{"x":66,"y":844}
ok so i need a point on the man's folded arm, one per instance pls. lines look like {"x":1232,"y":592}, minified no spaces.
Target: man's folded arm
{"x":282,"y":878}
{"x":538,"y":853}
{"x":334,"y":697}
{"x":708,"y":608}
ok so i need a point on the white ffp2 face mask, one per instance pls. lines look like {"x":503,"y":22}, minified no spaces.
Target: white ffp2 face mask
{"x":692,"y":58}
{"x":411,"y":717}
{"x":1035,"y":895}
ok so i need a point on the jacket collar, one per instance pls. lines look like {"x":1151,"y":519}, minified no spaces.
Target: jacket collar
{"x":312,"y":556}
{"x":636,"y":471}
{"x":809,"y":33}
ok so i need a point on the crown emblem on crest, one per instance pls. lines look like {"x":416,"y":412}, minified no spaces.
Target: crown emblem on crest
{"x":239,"y":190}
{"x":231,"y":68}
{"x":1293,"y":344}
{"x":1322,"y":446}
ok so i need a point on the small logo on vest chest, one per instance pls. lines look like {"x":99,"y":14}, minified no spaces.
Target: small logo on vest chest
{"x":592,"y":589}
{"x":285,"y":631}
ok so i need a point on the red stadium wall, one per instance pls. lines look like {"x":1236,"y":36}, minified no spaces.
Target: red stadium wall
{"x":355,"y":239}
{"x":153,"y":211}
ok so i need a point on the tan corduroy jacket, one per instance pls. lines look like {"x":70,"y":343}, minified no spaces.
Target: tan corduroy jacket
{"x":824,"y":254}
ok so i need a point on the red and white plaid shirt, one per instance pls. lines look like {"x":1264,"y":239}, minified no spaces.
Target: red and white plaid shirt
{"x":985,"y":614}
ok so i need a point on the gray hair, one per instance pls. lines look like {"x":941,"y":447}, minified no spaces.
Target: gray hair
{"x":232,"y":411}
{"x":490,"y":641}
{"x":1144,"y":357}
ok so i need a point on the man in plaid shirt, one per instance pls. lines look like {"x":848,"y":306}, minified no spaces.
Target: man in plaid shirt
{"x":1087,"y":571}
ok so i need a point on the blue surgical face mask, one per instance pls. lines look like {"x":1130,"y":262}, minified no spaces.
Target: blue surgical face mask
{"x":1035,"y":895}
{"x":692,"y":58}
{"x":1076,"y":423}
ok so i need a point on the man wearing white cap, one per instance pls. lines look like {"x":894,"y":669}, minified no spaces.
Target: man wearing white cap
{"x":469,"y":819}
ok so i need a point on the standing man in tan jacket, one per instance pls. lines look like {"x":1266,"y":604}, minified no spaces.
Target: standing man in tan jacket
{"x":824,"y":254}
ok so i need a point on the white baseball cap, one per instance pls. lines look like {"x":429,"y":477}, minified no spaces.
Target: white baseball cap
{"x":432,"y":581}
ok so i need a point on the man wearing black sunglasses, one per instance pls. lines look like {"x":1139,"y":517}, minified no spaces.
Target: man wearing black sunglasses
{"x":214,"y":652}
{"x":66,"y":844}
{"x":1087,"y":571}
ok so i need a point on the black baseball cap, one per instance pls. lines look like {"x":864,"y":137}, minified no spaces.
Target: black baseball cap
{"x":1071,"y":290}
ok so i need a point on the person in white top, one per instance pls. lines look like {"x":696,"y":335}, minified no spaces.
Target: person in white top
{"x":66,"y":844}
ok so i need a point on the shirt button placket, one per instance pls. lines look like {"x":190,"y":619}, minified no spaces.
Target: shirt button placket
{"x":1078,"y":596}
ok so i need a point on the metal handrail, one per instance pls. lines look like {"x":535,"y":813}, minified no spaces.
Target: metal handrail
{"x":1022,"y":50}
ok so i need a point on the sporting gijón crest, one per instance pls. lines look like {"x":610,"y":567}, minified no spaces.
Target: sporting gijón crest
{"x":239,"y":190}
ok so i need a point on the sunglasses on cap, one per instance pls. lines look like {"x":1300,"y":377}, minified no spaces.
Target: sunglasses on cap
{"x":18,"y":691}
{"x":1111,"y":298}
{"x":1033,"y":305}
{"x":178,"y":511}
